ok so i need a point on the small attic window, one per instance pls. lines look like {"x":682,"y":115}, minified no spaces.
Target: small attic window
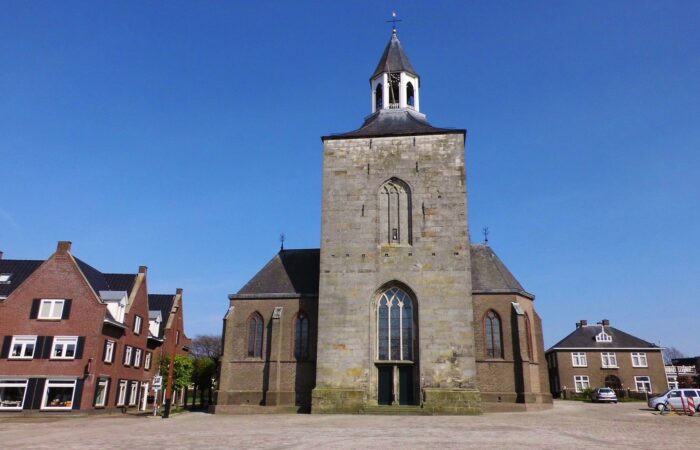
{"x":603,"y":337}
{"x":5,"y":278}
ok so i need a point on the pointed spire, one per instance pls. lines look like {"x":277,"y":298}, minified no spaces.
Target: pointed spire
{"x":394,"y":59}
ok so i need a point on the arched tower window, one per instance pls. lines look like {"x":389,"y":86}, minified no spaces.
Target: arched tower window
{"x":528,"y":336}
{"x":492,"y":335}
{"x":394,"y":88}
{"x":395,"y":213}
{"x":255,"y":332}
{"x":301,"y":336}
{"x":410,"y":95}
{"x":378,"y":97}
{"x":395,"y":326}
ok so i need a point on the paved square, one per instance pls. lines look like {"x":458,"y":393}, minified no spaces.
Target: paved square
{"x":568,"y":425}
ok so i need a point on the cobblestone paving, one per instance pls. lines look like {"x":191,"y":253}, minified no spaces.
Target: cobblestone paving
{"x":568,"y":425}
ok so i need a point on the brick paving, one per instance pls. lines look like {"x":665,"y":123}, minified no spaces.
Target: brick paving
{"x":568,"y":425}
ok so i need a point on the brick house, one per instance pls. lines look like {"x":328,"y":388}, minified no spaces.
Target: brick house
{"x":74,"y":338}
{"x":603,"y":356}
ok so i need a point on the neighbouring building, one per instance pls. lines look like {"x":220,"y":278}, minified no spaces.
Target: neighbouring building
{"x":77,"y":339}
{"x":683,"y":373}
{"x":603,"y":356}
{"x":397,"y":309}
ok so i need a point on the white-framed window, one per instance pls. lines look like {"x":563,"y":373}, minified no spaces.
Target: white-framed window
{"x":133,"y":395}
{"x":51,"y":309}
{"x":58,"y":394}
{"x":138,"y":322}
{"x":147,"y":361}
{"x":127,"y":355}
{"x":581,"y":382}
{"x":22,"y":347}
{"x":603,"y":337}
{"x":137,"y":357}
{"x":5,"y":278}
{"x":109,"y":351}
{"x":121,"y":396}
{"x":608,"y":359}
{"x":64,"y":347}
{"x":12,"y":393}
{"x":643,"y":384}
{"x":639,"y":359}
{"x":101,"y":393}
{"x":578,"y":359}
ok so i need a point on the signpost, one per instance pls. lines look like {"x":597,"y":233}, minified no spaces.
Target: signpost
{"x":157,"y":386}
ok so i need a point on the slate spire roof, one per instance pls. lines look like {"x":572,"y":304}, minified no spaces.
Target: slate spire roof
{"x":394,"y":59}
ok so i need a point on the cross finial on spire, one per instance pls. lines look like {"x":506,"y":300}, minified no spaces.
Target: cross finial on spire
{"x":393,"y":22}
{"x":282,"y":241}
{"x":486,"y":235}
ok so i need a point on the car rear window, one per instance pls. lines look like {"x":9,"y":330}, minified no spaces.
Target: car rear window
{"x":606,"y":390}
{"x":690,"y":393}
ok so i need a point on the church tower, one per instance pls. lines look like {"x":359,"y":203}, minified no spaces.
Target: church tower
{"x":395,"y":308}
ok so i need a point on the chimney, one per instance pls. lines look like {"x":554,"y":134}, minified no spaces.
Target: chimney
{"x":583,"y":323}
{"x":178,"y":291}
{"x":1,"y":253}
{"x":605,"y":322}
{"x":63,"y":246}
{"x":143,"y":269}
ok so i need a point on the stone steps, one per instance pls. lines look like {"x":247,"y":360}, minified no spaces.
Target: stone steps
{"x":397,"y":410}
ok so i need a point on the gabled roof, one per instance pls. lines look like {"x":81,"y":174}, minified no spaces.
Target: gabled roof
{"x":290,"y":273}
{"x":394,"y":122}
{"x":106,"y":281}
{"x":164,"y":304}
{"x":394,"y":59}
{"x":121,"y":281}
{"x":584,"y":337}
{"x":490,"y":275}
{"x":20,"y":269}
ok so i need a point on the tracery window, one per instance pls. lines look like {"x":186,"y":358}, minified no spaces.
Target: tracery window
{"x":395,"y":332}
{"x":301,"y":336}
{"x":395,"y":222}
{"x":255,"y":332}
{"x":494,"y":341}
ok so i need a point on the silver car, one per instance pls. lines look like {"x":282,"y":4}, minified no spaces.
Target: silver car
{"x":604,"y":394}
{"x":676,"y":398}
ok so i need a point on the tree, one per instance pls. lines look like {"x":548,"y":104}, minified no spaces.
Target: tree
{"x":208,"y":345}
{"x":671,"y":353}
{"x":182,"y":371}
{"x":203,"y":376}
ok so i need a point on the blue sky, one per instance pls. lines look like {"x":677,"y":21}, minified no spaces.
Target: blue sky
{"x":185,"y":136}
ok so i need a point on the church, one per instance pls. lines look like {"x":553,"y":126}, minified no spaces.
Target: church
{"x":397,"y":311}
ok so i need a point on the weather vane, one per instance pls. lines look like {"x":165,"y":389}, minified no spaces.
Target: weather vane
{"x":486,"y":235}
{"x":393,"y":21}
{"x":282,"y":241}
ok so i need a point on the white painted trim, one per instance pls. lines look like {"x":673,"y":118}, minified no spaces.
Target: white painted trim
{"x":67,"y":340}
{"x":13,"y":382}
{"x":52,"y":302}
{"x":58,"y":383}
{"x":27,"y":340}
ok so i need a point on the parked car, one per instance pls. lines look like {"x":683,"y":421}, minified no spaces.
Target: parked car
{"x":604,"y":394}
{"x":677,"y":398}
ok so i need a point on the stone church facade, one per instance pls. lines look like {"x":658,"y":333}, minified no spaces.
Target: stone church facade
{"x":397,"y":309}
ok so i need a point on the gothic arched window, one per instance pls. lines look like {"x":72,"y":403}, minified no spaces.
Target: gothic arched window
{"x":410,"y":95}
{"x":395,"y":333}
{"x":255,"y":332}
{"x":395,"y":213}
{"x":378,"y":98}
{"x":492,"y":335}
{"x":528,"y":336}
{"x":301,"y":336}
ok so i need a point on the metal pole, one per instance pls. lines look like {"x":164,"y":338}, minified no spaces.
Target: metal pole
{"x":169,"y":390}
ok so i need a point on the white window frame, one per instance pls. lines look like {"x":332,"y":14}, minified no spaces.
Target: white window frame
{"x":58,"y":383}
{"x":137,"y":357}
{"x":109,"y":351}
{"x":23,"y":341}
{"x":138,"y":323}
{"x":638,"y":381}
{"x":581,"y":382}
{"x":49,"y":309}
{"x":121,"y":395}
{"x":10,"y":384}
{"x":127,"y":355}
{"x":102,"y":382}
{"x":579,"y":359}
{"x":147,"y":361}
{"x":639,"y":359}
{"x":134,"y":393}
{"x":64,"y":342}
{"x":5,"y":278}
{"x":608,"y":360}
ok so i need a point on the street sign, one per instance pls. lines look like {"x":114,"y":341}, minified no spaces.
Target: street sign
{"x":157,"y":382}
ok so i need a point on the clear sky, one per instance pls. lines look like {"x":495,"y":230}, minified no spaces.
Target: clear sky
{"x":185,"y":136}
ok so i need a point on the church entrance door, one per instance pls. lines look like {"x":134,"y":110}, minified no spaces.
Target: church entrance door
{"x":386,"y":385}
{"x":406,"y":385}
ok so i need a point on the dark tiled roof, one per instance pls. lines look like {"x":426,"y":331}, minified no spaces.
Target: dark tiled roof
{"x":394,"y":122}
{"x":120,"y":281}
{"x":162,"y":303}
{"x":290,"y":272}
{"x":394,"y":59}
{"x":106,"y":281}
{"x":490,"y":275}
{"x":584,"y":337}
{"x":20,"y":270}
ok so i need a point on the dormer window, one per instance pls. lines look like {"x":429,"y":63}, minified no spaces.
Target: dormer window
{"x":5,"y":278}
{"x":154,"y":321}
{"x":603,"y":337}
{"x":116,"y":303}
